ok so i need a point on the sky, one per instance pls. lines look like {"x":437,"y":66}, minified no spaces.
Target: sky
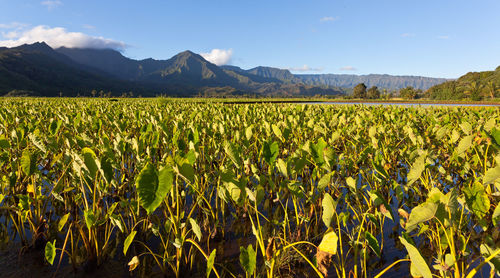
{"x":439,"y":38}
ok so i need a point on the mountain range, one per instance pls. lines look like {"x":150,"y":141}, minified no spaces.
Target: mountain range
{"x":37,"y":69}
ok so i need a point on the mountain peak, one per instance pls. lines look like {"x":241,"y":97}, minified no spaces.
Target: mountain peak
{"x":188,"y":54}
{"x":37,"y":46}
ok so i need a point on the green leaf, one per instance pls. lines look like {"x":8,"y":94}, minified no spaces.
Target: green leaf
{"x":318,"y":151}
{"x":270,"y":152}
{"x":416,"y":259}
{"x":496,"y":215}
{"x":277,"y":131}
{"x":28,"y":163}
{"x":248,"y":259}
{"x":210,"y":262}
{"x":466,"y":127}
{"x":128,"y":241}
{"x":282,"y":167}
{"x":107,"y":169}
{"x":351,"y":183}
{"x":328,"y":209}
{"x":373,"y":243}
{"x":89,"y":218}
{"x":90,"y":159}
{"x":324,"y":181}
{"x":477,"y":199}
{"x":50,"y":251}
{"x":196,"y":228}
{"x":37,"y":142}
{"x":495,"y":133}
{"x":62,"y":222}
{"x":4,"y":143}
{"x":165,"y":179}
{"x":150,"y":190}
{"x":416,"y":170}
{"x":492,"y":175}
{"x":464,"y":144}
{"x":329,"y":243}
{"x":233,"y":153}
{"x":248,"y":133}
{"x":117,"y":222}
{"x":423,"y":212}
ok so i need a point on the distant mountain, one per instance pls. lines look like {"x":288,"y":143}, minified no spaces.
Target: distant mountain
{"x":40,"y":70}
{"x":108,"y":60}
{"x":473,"y":85}
{"x":380,"y":80}
{"x":184,"y":68}
{"x":342,"y":80}
{"x":275,"y":73}
{"x":37,"y":69}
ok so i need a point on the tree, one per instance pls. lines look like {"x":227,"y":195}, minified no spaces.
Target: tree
{"x":373,"y":93}
{"x":408,"y":93}
{"x":474,"y":90}
{"x":492,"y":89}
{"x":359,"y":91}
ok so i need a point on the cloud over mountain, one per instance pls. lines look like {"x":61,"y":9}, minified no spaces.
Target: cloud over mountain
{"x":304,"y":68}
{"x":348,"y":68}
{"x":218,"y":56}
{"x":57,"y":37}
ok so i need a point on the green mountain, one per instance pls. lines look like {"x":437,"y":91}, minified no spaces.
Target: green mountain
{"x":37,"y":69}
{"x":184,"y":68}
{"x":380,"y":80}
{"x":279,"y":74}
{"x":343,"y":80}
{"x":473,"y":85}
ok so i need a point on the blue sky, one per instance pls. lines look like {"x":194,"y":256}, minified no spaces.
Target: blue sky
{"x":440,"y":38}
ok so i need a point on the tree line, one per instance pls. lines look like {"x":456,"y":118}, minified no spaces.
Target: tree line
{"x":363,"y":92}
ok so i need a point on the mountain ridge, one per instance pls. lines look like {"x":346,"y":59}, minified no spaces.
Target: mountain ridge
{"x":271,"y":74}
{"x":70,"y":71}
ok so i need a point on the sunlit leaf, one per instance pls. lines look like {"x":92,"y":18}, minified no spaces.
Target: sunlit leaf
{"x":328,"y":209}
{"x":210,"y":262}
{"x":62,"y":221}
{"x":50,"y":251}
{"x":477,"y":199}
{"x":423,"y":212}
{"x":416,"y":170}
{"x":329,"y":243}
{"x":151,"y":188}
{"x":417,"y":260}
{"x":196,"y":228}
{"x":128,"y":241}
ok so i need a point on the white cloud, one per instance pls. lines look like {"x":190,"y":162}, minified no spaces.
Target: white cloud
{"x":348,"y":68}
{"x":444,"y":37}
{"x":51,"y":4}
{"x":407,"y":35}
{"x":305,"y":68}
{"x":88,"y":26}
{"x":12,"y":25}
{"x":58,"y":37}
{"x":218,"y":56}
{"x":329,"y":18}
